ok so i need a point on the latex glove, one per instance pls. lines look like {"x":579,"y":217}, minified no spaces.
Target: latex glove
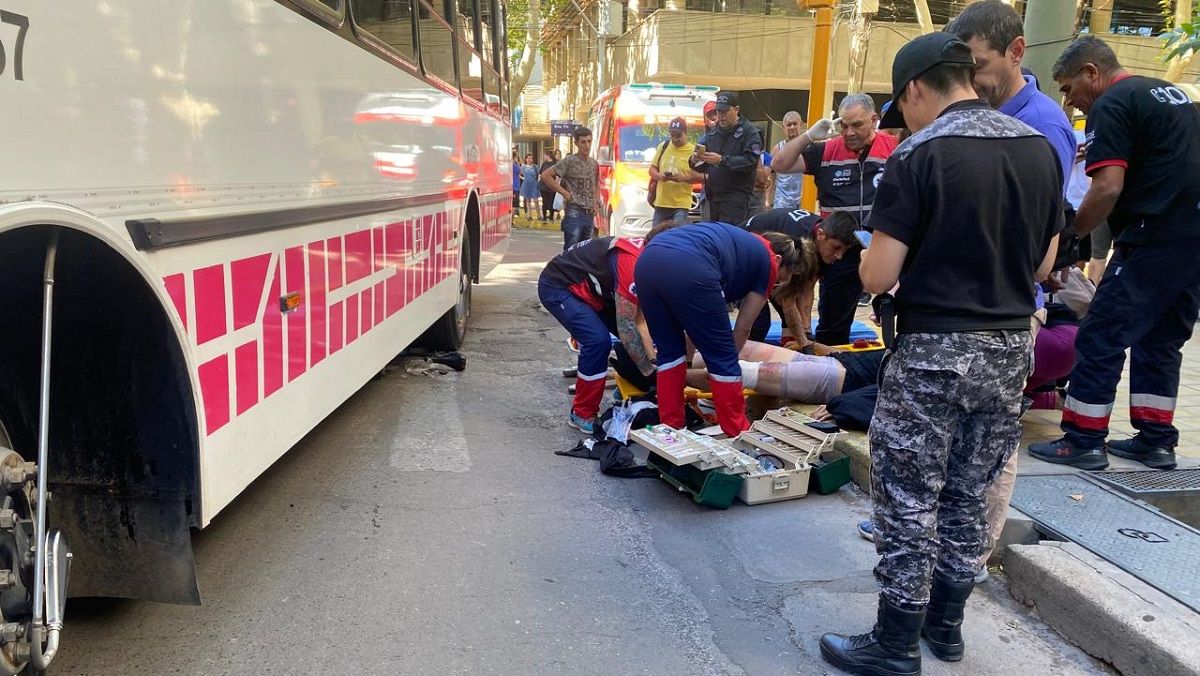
{"x":823,"y":130}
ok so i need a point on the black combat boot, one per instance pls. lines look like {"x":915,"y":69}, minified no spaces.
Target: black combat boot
{"x":944,"y":618}
{"x":1154,"y":457}
{"x":892,"y":648}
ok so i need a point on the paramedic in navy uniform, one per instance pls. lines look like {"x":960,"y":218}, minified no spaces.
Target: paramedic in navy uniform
{"x":1143,"y":156}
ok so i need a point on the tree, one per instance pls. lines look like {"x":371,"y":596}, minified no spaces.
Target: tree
{"x":523,"y":43}
{"x":1181,"y":43}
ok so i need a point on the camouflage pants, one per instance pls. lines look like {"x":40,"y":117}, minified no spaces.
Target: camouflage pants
{"x":946,"y":422}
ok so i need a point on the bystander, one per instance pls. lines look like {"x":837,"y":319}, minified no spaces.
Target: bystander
{"x":784,"y":192}
{"x":673,"y":176}
{"x":575,"y":178}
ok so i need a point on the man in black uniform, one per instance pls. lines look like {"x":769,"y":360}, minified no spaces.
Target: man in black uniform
{"x":1143,"y":155}
{"x":732,"y":152}
{"x":832,"y":237}
{"x":948,"y":413}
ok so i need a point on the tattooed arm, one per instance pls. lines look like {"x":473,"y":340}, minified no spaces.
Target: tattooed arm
{"x":631,"y":329}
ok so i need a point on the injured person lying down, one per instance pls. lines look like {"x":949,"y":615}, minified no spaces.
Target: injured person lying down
{"x":810,"y":379}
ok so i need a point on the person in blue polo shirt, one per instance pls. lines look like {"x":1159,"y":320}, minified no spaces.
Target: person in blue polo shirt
{"x":685,"y":279}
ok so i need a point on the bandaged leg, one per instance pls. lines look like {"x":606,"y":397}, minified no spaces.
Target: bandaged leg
{"x":807,"y":379}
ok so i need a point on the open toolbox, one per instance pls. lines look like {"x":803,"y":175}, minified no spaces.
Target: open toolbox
{"x":773,"y":459}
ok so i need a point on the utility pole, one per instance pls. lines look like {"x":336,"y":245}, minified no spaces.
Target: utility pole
{"x":819,"y":80}
{"x":1049,"y":28}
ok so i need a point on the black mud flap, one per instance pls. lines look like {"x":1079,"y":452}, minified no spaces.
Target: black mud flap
{"x":127,"y":547}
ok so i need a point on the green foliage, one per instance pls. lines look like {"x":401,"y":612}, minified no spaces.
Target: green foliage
{"x":519,"y":19}
{"x":1183,"y":39}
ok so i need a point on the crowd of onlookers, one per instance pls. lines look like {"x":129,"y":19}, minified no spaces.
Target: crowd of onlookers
{"x":530,"y":191}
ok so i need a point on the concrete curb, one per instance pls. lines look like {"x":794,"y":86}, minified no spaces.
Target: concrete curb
{"x":1105,"y":611}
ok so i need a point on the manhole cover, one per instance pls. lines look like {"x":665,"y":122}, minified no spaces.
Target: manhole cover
{"x":1137,"y":538}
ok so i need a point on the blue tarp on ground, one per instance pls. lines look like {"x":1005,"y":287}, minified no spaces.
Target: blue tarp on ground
{"x":857,"y":330}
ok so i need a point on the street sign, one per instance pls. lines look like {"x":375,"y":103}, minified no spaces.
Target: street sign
{"x":562,"y":127}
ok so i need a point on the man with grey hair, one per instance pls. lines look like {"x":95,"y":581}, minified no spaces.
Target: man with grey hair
{"x":784,"y":192}
{"x":847,"y":169}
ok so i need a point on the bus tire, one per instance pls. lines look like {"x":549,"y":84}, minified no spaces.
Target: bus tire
{"x":451,"y":328}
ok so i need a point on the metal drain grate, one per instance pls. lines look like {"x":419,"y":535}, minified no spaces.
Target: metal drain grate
{"x":1154,"y":482}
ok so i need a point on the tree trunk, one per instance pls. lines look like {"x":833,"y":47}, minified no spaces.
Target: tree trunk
{"x":533,"y":30}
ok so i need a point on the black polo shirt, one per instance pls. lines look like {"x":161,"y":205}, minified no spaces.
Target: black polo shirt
{"x":1151,"y":128}
{"x":977,"y":197}
{"x":796,"y":223}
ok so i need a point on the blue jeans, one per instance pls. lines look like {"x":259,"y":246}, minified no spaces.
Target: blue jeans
{"x":582,"y":322}
{"x":576,"y":226}
{"x":663,"y":214}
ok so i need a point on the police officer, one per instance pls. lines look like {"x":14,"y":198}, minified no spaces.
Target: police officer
{"x":1143,"y":157}
{"x":730,"y":161}
{"x":947,"y":417}
{"x":846,"y":168}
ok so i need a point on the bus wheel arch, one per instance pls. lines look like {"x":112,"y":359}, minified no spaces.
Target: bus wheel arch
{"x":124,"y":445}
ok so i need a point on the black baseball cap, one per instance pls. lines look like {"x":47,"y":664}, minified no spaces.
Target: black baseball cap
{"x":913,"y":60}
{"x":726,"y":100}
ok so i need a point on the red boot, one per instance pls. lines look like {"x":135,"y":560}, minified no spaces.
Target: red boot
{"x":671,"y":382}
{"x":731,"y":406}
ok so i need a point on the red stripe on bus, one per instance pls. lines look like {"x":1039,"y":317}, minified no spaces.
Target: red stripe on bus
{"x":358,"y":255}
{"x":246,"y":376}
{"x":316,"y":306}
{"x":214,"y":390}
{"x":351,"y":319}
{"x":394,"y":248}
{"x":334,"y":256}
{"x":336,"y":326}
{"x":208,"y":286}
{"x":1154,"y":415}
{"x":176,"y":290}
{"x":272,"y":321}
{"x":247,"y":277}
{"x":297,"y":320}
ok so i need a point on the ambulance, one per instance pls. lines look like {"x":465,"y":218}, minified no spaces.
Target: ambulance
{"x":629,"y":123}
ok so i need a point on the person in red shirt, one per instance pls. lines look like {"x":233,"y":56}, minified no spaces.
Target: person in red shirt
{"x":847,"y":168}
{"x":589,"y":289}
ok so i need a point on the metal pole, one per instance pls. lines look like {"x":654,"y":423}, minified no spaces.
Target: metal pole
{"x":43,"y":462}
{"x":1049,"y":28}
{"x":822,"y":37}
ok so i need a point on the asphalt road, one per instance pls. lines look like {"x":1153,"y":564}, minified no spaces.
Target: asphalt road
{"x":427,"y":528}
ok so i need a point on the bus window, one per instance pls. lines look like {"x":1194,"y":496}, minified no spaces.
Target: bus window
{"x":470,"y":72}
{"x":487,"y":31}
{"x":389,"y":21}
{"x":464,"y":21}
{"x":437,"y":44}
{"x":491,"y":90}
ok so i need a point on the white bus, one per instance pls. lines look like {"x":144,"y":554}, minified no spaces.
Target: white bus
{"x":233,"y":213}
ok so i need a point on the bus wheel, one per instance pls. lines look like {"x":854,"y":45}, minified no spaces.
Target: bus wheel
{"x":450,"y":330}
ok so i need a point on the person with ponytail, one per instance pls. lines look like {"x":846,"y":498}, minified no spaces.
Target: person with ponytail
{"x":685,"y":278}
